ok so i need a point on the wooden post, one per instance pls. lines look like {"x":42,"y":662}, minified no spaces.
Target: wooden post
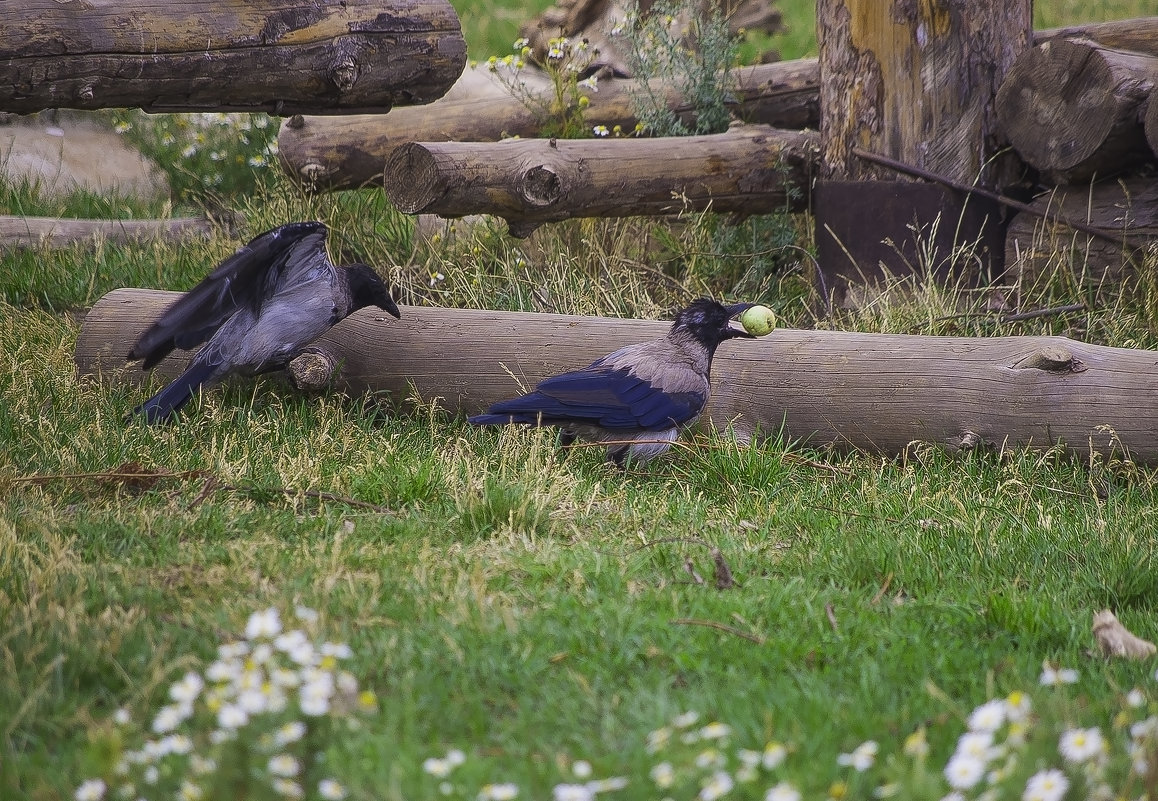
{"x":913,"y":82}
{"x":751,"y":169}
{"x":280,"y":56}
{"x":878,"y":392}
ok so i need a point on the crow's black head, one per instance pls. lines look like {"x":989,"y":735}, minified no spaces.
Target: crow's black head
{"x":368,"y":289}
{"x":707,"y":322}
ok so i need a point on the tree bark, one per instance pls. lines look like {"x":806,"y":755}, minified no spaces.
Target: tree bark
{"x":1072,"y":109}
{"x":59,"y":232}
{"x":914,"y":82}
{"x":279,"y":56}
{"x":1127,"y":207}
{"x":341,"y":153}
{"x":875,"y":392}
{"x":748,"y":170}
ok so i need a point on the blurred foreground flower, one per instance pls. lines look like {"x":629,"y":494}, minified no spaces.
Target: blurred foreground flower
{"x":255,"y":722}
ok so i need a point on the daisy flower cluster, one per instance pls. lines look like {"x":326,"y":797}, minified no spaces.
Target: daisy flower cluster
{"x":560,"y":109}
{"x":1009,"y":750}
{"x":206,"y":152}
{"x":579,"y":786}
{"x":257,"y":719}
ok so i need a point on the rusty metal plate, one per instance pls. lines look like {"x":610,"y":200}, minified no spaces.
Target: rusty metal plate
{"x":869,"y":232}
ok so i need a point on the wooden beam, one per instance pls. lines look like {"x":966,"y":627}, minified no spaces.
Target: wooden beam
{"x":1072,"y":109}
{"x":59,"y":232}
{"x":878,"y":392}
{"x":751,"y":169}
{"x":279,"y":56}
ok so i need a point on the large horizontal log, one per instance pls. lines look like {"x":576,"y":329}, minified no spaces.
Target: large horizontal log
{"x":279,"y":56}
{"x":58,"y":232}
{"x":1072,"y":108}
{"x":871,"y":391}
{"x":1035,"y":247}
{"x":751,"y":169}
{"x":1139,"y":35}
{"x":328,"y":153}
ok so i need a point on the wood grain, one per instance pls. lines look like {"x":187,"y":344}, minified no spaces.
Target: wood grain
{"x":1073,"y":108}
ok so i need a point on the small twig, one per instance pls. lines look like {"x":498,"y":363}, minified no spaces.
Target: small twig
{"x":908,"y":169}
{"x":828,"y":611}
{"x":881,"y":592}
{"x":696,"y":577}
{"x":1008,"y":318}
{"x":1035,"y":313}
{"x":711,"y":624}
{"x":723,"y":574}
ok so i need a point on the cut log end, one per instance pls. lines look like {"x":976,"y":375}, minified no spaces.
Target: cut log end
{"x":424,"y":185}
{"x":313,"y":370}
{"x":1071,"y":108}
{"x":1150,"y":121}
{"x":1057,"y":104}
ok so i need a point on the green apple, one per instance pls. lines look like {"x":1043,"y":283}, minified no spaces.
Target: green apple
{"x":758,"y":320}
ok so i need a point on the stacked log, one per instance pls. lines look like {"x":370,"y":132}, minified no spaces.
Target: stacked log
{"x":1083,"y":113}
{"x":296,"y":56}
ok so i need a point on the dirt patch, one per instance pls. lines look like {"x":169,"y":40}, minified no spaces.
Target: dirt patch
{"x":69,"y":151}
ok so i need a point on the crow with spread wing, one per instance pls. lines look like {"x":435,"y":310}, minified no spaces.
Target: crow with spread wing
{"x":255,"y":312}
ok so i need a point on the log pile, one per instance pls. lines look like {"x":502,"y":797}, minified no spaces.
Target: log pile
{"x":1064,"y":136}
{"x":1080,"y":109}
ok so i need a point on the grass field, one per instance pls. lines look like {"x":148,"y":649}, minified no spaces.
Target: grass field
{"x":485,"y":617}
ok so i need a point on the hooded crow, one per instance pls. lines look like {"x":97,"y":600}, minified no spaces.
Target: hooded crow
{"x":255,"y":312}
{"x":636,"y":399}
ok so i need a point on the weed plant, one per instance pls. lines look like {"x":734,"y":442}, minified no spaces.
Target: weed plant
{"x":688,"y":44}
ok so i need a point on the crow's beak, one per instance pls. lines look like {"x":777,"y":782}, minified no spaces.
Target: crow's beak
{"x":734,"y":311}
{"x":390,"y":307}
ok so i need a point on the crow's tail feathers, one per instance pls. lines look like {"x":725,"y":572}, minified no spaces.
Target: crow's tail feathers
{"x":163,"y":405}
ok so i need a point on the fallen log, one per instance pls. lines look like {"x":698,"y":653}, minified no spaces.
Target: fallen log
{"x":876,"y":392}
{"x":1035,"y":248}
{"x":58,"y":232}
{"x":328,"y":153}
{"x":294,"y":56}
{"x":751,"y":169}
{"x":1072,"y":108}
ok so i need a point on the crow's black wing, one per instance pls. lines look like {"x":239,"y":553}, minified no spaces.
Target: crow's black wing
{"x":611,"y":398}
{"x":247,"y":278}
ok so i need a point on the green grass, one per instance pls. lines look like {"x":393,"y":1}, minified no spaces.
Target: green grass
{"x":533,"y":607}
